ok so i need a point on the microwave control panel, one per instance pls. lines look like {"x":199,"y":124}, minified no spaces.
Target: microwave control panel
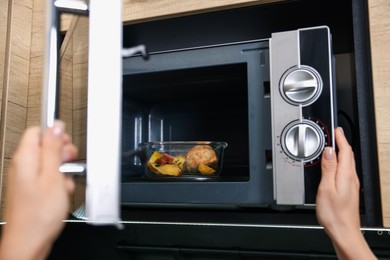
{"x":302,"y":108}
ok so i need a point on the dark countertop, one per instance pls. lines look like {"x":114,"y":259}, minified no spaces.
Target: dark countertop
{"x":168,"y":240}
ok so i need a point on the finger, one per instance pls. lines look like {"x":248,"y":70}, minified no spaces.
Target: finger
{"x":346,"y":157}
{"x":67,"y":139}
{"x":341,"y":140}
{"x":70,"y":184}
{"x":328,"y":166}
{"x":26,"y":156}
{"x":69,"y":153}
{"x":52,"y":148}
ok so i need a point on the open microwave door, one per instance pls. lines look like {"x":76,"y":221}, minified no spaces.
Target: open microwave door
{"x":104,"y":112}
{"x":102,"y":205}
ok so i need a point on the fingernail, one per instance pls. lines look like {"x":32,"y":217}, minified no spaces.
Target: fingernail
{"x":58,"y":128}
{"x":341,"y":130}
{"x":329,"y":153}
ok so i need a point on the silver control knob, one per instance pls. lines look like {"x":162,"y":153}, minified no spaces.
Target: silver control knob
{"x":301,"y":85}
{"x":303,"y":141}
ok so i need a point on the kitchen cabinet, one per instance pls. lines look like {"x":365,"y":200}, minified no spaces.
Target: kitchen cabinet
{"x":379,"y":17}
{"x":21,"y":61}
{"x":20,"y":96}
{"x":15,"y":58}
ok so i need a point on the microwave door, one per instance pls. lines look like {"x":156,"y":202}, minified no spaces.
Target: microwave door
{"x":104,"y":112}
{"x":104,"y":103}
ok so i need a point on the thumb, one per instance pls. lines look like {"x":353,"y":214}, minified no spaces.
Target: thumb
{"x":52,"y":144}
{"x":328,"y":165}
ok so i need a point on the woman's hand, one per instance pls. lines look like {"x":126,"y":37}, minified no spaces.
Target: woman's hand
{"x":37,"y":198}
{"x":337,"y":202}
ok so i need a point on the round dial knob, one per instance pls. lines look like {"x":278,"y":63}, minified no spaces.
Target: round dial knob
{"x":303,"y":141}
{"x":301,"y":85}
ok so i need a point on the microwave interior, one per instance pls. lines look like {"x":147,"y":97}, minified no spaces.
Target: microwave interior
{"x":189,"y":104}
{"x":186,"y":92}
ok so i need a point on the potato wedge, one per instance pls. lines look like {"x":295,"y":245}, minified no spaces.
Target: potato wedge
{"x":166,"y":169}
{"x":155,"y":156}
{"x":152,"y":161}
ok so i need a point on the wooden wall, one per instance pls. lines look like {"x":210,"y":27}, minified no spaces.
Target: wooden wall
{"x":379,"y":13}
{"x":72,"y":62}
{"x":15,"y":65}
{"x":135,"y":11}
{"x":3,"y":59}
{"x":21,"y":63}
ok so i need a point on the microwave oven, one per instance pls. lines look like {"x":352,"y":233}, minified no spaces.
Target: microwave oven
{"x":244,"y":118}
{"x":272,"y":101}
{"x":265,"y":86}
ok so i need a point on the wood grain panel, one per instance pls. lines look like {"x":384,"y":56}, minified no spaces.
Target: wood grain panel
{"x":36,"y":63}
{"x":3,"y":81}
{"x":37,"y":31}
{"x":21,"y":27}
{"x":66,"y":91}
{"x":66,"y":83}
{"x":379,"y":15}
{"x":80,"y":82}
{"x":16,"y":124}
{"x":4,"y":185}
{"x":16,"y":71}
{"x":80,"y":64}
{"x":20,"y":41}
{"x":66,"y":21}
{"x":3,"y":42}
{"x":35,"y":81}
{"x":135,"y":11}
{"x":18,"y":78}
{"x":80,"y":131}
{"x":33,"y":116}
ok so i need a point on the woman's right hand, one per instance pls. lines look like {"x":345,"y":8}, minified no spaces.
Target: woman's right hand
{"x":337,"y":204}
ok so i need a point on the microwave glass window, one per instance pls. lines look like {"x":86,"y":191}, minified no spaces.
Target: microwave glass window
{"x":196,"y":104}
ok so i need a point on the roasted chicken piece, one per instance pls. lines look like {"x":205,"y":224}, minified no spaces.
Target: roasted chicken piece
{"x":203,"y":156}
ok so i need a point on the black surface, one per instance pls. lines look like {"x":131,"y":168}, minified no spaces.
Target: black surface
{"x":248,"y":23}
{"x":189,"y":241}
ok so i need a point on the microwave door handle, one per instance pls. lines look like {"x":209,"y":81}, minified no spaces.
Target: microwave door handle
{"x":50,"y":84}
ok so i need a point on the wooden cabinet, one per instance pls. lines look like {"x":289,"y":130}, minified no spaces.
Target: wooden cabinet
{"x":21,"y":63}
{"x":15,"y":59}
{"x":142,"y":11}
{"x":379,"y":16}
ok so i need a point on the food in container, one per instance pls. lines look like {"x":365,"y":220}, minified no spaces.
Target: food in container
{"x":200,"y":158}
